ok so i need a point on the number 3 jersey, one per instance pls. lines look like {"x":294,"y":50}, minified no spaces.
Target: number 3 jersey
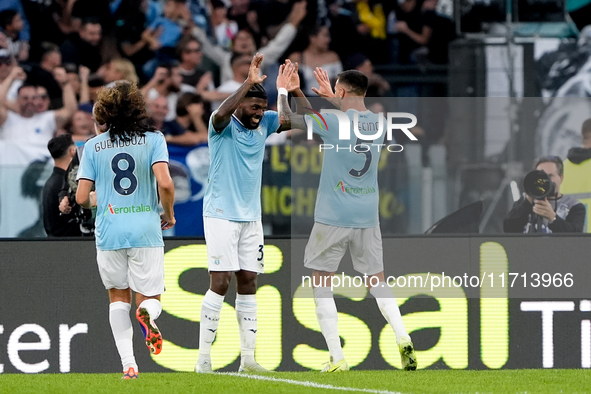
{"x":127,"y":213}
{"x":348,"y":193}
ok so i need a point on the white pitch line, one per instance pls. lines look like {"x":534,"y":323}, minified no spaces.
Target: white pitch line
{"x":311,"y":384}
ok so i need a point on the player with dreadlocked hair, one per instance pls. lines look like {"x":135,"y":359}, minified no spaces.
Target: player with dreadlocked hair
{"x":128,"y":164}
{"x":232,"y":213}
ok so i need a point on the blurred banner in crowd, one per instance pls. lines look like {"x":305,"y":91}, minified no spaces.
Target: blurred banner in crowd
{"x":23,"y":172}
{"x":189,"y":167}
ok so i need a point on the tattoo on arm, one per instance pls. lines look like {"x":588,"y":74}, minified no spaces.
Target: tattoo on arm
{"x":284,"y":112}
{"x":287,"y":118}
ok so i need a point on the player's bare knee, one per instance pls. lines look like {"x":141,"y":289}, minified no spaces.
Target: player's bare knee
{"x":220,"y":282}
{"x":247,"y":282}
{"x":374,"y":280}
{"x":120,"y":295}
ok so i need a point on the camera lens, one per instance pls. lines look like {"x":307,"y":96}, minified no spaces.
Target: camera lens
{"x":537,"y":184}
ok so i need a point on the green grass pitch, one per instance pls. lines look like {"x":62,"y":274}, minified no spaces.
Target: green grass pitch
{"x":442,"y":381}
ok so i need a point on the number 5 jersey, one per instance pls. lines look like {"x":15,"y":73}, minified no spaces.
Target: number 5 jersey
{"x":348,"y":193}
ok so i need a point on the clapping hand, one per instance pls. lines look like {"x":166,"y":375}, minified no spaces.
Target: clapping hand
{"x":324,"y":87}
{"x":284,"y":78}
{"x":294,"y":81}
{"x":255,"y":69}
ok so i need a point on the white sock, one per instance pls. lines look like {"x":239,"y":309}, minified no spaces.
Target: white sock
{"x":210,"y":318}
{"x":328,"y":319}
{"x":246,"y":314}
{"x":389,"y":308}
{"x":153,"y":306}
{"x":122,"y":332}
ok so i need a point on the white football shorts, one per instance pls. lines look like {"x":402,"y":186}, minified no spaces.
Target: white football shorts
{"x":141,"y":269}
{"x":234,"y":246}
{"x":327,"y":246}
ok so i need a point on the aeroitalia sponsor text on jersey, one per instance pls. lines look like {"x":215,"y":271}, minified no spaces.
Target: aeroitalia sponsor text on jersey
{"x":341,"y":186}
{"x":111,"y":209}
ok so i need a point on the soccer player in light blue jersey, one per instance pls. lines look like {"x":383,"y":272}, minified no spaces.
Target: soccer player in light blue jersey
{"x":232,"y":213}
{"x":127,"y":162}
{"x":346,"y":212}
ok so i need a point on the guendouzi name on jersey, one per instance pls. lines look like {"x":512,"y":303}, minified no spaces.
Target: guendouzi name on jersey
{"x":127,"y":214}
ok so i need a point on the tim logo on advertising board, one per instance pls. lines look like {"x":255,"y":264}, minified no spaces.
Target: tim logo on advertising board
{"x":366,"y":132}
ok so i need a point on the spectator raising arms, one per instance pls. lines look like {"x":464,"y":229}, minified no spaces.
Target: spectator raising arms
{"x":189,"y":111}
{"x":317,"y":54}
{"x":244,"y":43}
{"x":26,"y":124}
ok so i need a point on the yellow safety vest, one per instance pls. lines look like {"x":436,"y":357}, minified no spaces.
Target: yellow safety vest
{"x":577,"y":183}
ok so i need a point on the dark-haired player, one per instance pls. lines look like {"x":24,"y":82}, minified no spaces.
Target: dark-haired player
{"x":128,"y":164}
{"x":344,"y":219}
{"x":232,"y":213}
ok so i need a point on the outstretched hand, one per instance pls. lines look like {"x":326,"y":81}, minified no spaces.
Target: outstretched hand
{"x":255,"y":69}
{"x":324,"y":88}
{"x":294,"y":81}
{"x":284,"y":78}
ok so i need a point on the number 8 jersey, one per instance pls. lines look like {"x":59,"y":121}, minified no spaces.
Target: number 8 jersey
{"x":348,"y":193}
{"x":127,"y":213}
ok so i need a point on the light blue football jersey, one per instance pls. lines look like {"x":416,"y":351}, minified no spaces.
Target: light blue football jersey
{"x":127,"y":213}
{"x":348,"y":193}
{"x":236,"y":169}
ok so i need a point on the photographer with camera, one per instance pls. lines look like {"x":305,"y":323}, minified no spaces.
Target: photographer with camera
{"x":542,"y":208}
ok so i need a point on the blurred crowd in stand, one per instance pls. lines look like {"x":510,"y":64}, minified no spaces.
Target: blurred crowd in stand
{"x":188,"y":56}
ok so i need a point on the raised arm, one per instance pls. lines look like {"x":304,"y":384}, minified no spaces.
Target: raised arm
{"x":157,"y":79}
{"x":275,"y":48}
{"x":285,"y":82}
{"x":324,"y":87}
{"x":84,"y":88}
{"x":214,"y":52}
{"x":64,"y":114}
{"x":15,"y":73}
{"x":294,"y":88}
{"x":222,"y":117}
